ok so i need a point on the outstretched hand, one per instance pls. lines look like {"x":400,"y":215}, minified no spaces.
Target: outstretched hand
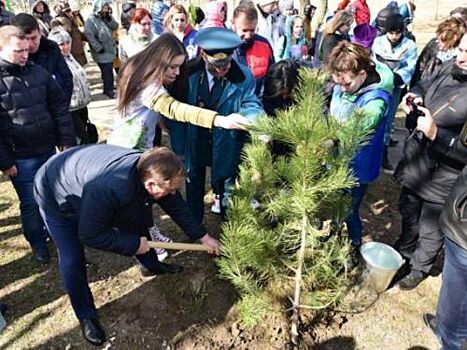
{"x":231,"y":121}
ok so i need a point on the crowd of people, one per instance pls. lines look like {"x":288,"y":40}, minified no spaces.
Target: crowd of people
{"x":202,"y":78}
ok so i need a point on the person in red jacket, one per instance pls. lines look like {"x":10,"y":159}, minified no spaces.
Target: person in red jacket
{"x":256,"y":53}
{"x":359,"y":8}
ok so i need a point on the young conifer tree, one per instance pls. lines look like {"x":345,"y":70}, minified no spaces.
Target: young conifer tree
{"x":277,"y":253}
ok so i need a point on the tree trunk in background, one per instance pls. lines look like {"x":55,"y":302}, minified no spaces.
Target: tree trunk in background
{"x":318,"y":18}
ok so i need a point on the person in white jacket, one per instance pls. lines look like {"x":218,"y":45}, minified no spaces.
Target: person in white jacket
{"x":81,"y":95}
{"x":266,"y":10}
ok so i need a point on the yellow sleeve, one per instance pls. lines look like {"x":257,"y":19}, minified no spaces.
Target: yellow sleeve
{"x":182,"y":112}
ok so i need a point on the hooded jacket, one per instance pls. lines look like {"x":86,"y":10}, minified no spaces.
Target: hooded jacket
{"x":98,"y":31}
{"x":367,"y":162}
{"x":285,"y":48}
{"x":405,"y":52}
{"x":49,"y":57}
{"x":34,"y":117}
{"x":212,"y":14}
{"x":77,"y":37}
{"x":44,"y":18}
{"x":158,"y":11}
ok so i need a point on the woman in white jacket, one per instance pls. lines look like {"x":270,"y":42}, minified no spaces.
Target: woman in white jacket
{"x":139,"y":35}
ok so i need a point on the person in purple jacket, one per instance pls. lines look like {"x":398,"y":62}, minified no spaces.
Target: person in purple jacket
{"x":101,"y":196}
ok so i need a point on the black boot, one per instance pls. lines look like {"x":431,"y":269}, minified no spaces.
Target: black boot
{"x":387,"y":166}
{"x":3,"y":308}
{"x":92,"y":331}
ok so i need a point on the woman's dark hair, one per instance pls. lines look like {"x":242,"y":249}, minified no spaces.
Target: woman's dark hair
{"x":281,"y":80}
{"x":148,"y":67}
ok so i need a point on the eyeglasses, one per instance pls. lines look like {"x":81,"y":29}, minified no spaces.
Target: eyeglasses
{"x":145,"y":24}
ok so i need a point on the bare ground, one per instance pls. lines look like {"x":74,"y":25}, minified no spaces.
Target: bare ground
{"x":195,"y":309}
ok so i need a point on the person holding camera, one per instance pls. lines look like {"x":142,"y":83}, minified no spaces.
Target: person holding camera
{"x":428,"y":170}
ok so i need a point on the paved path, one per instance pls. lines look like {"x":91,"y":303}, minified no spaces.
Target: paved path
{"x":101,"y":109}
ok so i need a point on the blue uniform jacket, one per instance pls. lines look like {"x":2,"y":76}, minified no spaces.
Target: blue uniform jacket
{"x":238,"y":97}
{"x":98,"y":188}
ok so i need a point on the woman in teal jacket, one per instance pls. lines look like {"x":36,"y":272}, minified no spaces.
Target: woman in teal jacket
{"x":365,"y":85}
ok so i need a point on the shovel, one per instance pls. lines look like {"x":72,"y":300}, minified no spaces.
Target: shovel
{"x":178,"y":246}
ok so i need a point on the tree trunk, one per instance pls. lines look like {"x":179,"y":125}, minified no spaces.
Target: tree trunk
{"x":298,"y":283}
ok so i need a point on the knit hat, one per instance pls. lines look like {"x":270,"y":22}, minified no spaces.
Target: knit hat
{"x":60,"y":36}
{"x":364,"y":35}
{"x":395,"y":23}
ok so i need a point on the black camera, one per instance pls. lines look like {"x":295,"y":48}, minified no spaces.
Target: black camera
{"x":415,"y":106}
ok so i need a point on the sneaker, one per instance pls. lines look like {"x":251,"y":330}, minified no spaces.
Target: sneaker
{"x":412,"y":280}
{"x":216,"y":206}
{"x":157,"y":236}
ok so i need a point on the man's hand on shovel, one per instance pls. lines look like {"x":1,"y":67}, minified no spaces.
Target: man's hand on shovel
{"x":213,"y":244}
{"x":210,"y":245}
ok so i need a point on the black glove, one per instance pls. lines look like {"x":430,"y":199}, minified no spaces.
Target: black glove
{"x":398,"y":80}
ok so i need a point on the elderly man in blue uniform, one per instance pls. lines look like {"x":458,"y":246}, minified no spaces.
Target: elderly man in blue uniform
{"x":219,"y":83}
{"x":100,"y":196}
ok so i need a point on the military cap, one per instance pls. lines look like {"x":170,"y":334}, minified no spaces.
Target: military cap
{"x":218,"y":44}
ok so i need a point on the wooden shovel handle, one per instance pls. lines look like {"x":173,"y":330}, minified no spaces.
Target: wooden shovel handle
{"x":178,"y":246}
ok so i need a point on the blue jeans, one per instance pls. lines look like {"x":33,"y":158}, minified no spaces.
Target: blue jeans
{"x":451,"y":315}
{"x":396,"y":94}
{"x":353,"y":221}
{"x":72,"y":264}
{"x":33,"y":226}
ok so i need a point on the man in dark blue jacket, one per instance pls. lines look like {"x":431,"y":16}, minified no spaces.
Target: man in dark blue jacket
{"x":34,"y":119}
{"x":45,"y":52}
{"x":101,"y":196}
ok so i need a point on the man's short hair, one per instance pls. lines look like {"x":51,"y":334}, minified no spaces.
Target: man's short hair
{"x":248,"y":9}
{"x":7,"y":32}
{"x":160,"y":163}
{"x":26,"y":22}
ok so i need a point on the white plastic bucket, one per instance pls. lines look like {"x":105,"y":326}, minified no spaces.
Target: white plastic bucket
{"x":382,"y":263}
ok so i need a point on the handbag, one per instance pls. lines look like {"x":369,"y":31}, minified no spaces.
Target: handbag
{"x":416,"y":165}
{"x":91,"y":132}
